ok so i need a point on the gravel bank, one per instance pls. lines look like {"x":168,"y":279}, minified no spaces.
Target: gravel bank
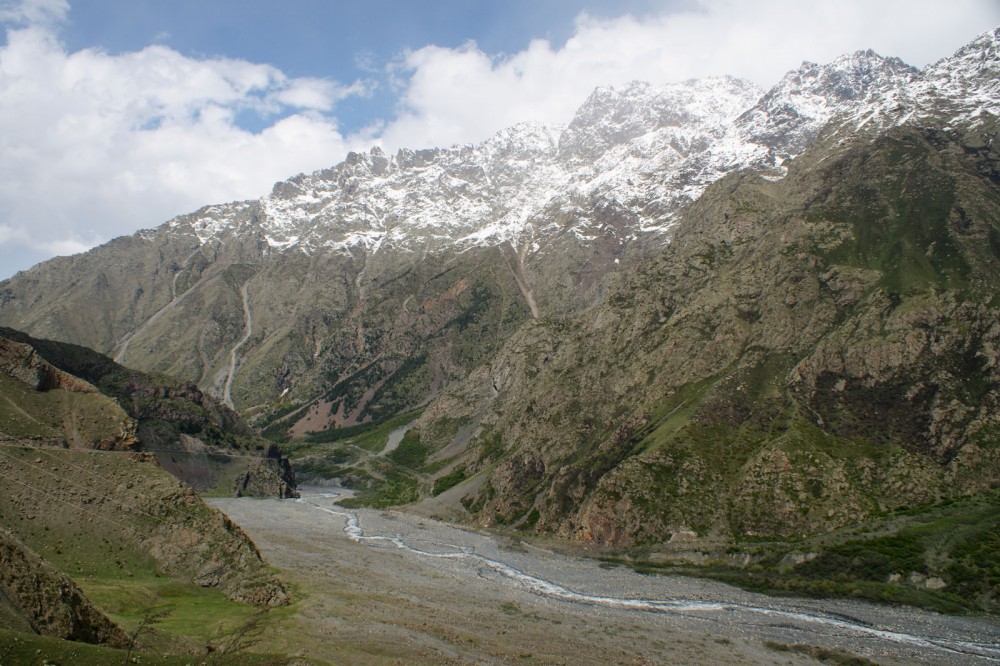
{"x":398,"y":587}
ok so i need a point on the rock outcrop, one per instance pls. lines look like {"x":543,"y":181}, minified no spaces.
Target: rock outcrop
{"x":50,"y":602}
{"x":20,"y":361}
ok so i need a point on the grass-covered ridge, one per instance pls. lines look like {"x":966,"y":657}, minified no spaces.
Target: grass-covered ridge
{"x":130,"y":410}
{"x":137,"y":543}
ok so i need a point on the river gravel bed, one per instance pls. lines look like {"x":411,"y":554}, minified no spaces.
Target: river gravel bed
{"x":392,"y":587}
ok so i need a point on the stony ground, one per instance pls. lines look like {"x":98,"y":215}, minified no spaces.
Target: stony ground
{"x":490,"y":602}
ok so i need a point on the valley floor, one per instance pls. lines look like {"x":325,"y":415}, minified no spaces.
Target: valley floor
{"x":398,"y":588}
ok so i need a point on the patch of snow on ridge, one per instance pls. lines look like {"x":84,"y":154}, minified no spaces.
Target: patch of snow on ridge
{"x":643,"y":150}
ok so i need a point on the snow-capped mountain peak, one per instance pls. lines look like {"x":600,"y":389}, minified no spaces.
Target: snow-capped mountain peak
{"x":644,"y":150}
{"x":967,"y":84}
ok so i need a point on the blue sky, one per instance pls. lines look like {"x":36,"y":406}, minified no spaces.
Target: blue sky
{"x":345,"y":41}
{"x":116,"y":115}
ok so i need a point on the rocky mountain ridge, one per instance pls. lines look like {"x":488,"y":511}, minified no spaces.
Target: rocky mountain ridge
{"x":614,"y":149}
{"x":362,"y":290}
{"x":56,"y":394}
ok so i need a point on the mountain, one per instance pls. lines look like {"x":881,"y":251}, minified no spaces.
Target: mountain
{"x":58,"y":394}
{"x":699,"y":313}
{"x":358,"y":292}
{"x":812,"y":349}
{"x":813,"y":354}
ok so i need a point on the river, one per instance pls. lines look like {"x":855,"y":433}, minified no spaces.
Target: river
{"x":514,"y":581}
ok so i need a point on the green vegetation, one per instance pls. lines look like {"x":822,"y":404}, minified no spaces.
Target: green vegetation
{"x":954,"y":546}
{"x":449,"y":480}
{"x":369,"y":436}
{"x":353,"y":455}
{"x":901,"y":227}
{"x":57,"y":414}
{"x":326,"y":462}
{"x":26,"y":648}
{"x":670,"y":414}
{"x":196,"y":615}
{"x":136,"y":410}
{"x":395,"y":487}
{"x":410,"y":452}
{"x":108,"y":521}
{"x":270,"y":422}
{"x":341,"y":434}
{"x":869,"y":560}
{"x":397,"y":394}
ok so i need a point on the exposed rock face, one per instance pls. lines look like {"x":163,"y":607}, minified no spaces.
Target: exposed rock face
{"x":268,"y":478}
{"x":807,"y":352}
{"x":21,"y":362}
{"x":50,"y":602}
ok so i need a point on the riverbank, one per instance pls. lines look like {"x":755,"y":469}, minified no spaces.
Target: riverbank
{"x":395,"y":586}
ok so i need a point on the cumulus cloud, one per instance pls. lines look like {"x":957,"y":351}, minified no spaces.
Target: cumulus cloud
{"x":35,"y":12}
{"x":463,"y":94}
{"x":320,"y":94}
{"x":95,"y":145}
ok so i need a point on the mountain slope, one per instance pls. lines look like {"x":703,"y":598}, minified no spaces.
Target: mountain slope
{"x":806,"y":354}
{"x":59,"y":394}
{"x":96,"y":532}
{"x":66,"y":448}
{"x":359,"y":291}
{"x":48,"y":602}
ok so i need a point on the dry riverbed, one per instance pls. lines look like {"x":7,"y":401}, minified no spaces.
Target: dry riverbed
{"x":398,"y":588}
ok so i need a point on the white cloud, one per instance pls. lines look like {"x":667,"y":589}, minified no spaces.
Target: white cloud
{"x":94,"y":145}
{"x":461,"y":94}
{"x":320,"y":94}
{"x":35,"y":12}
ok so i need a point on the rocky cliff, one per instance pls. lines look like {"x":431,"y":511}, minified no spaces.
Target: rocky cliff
{"x":806,"y":354}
